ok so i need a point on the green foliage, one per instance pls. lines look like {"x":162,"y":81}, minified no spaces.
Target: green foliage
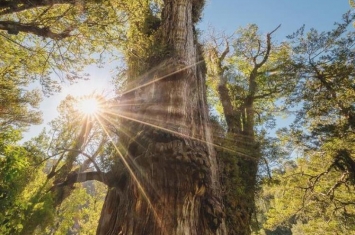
{"x":80,"y":212}
{"x":92,"y":211}
{"x":28,"y":173}
{"x":309,"y":199}
{"x":315,"y":195}
{"x":325,"y":63}
{"x":272,"y":81}
{"x":144,"y":48}
{"x":80,"y":31}
{"x":13,"y":167}
{"x":15,"y":103}
{"x":19,"y":192}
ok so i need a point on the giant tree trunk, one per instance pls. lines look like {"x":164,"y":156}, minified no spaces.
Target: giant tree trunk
{"x":169,"y":183}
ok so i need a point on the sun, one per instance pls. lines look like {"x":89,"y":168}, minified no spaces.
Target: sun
{"x":89,"y":106}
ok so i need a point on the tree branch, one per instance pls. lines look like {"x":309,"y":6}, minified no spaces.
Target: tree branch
{"x":16,"y":27}
{"x":54,"y":171}
{"x":268,"y":47}
{"x":341,"y":181}
{"x":86,"y":155}
{"x":273,"y":31}
{"x":267,"y":167}
{"x":87,"y":162}
{"x":10,"y":7}
{"x":261,"y":96}
{"x":74,"y":177}
{"x":225,"y":52}
{"x":13,"y":41}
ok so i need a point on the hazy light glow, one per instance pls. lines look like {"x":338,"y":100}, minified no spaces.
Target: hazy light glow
{"x":89,"y":106}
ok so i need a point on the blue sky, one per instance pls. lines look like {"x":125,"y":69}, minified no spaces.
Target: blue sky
{"x":227,"y":16}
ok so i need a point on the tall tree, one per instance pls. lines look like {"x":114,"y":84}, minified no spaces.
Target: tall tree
{"x":164,"y":175}
{"x":325,"y":66}
{"x":165,"y":179}
{"x":246,"y":78}
{"x":321,"y":184}
{"x":179,"y":193}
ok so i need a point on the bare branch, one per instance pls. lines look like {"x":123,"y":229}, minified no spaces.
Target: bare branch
{"x":267,"y":167}
{"x":268,"y":94}
{"x":225,"y":52}
{"x":19,"y":44}
{"x":268,"y":48}
{"x":87,"y":162}
{"x":274,"y":29}
{"x":343,"y":179}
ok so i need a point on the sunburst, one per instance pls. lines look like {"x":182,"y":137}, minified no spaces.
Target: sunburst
{"x":89,"y":106}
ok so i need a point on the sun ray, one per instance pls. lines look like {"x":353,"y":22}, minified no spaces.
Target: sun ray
{"x":158,"y":79}
{"x":122,"y":129}
{"x":183,"y":135}
{"x":131,"y":172}
{"x":166,"y":129}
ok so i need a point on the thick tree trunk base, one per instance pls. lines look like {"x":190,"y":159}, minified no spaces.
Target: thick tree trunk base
{"x":169,"y":193}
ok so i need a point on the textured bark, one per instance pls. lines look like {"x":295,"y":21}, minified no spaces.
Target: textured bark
{"x":238,"y":176}
{"x":169,"y":184}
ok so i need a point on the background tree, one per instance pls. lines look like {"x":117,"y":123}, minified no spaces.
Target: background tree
{"x":320,"y":186}
{"x":42,"y":38}
{"x":15,"y":106}
{"x":15,"y":172}
{"x":27,"y":206}
{"x":67,"y":151}
{"x":80,"y":212}
{"x":246,"y":82}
